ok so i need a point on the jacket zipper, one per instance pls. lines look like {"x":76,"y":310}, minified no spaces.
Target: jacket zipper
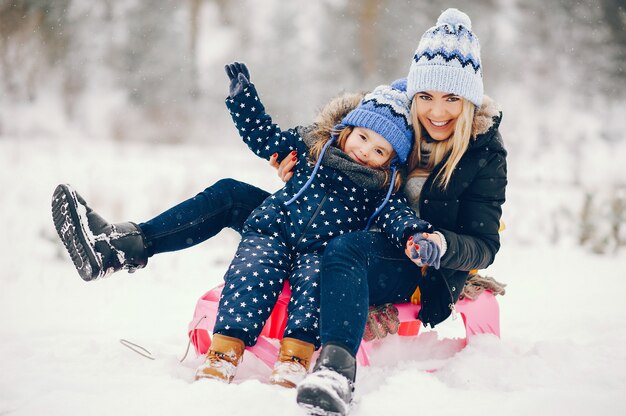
{"x":451,"y":304}
{"x":308,"y":224}
{"x":429,"y":182}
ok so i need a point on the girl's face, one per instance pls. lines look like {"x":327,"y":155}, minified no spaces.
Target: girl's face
{"x":438,"y":112}
{"x":368,"y":148}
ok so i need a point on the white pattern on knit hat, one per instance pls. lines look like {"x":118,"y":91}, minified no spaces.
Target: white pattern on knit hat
{"x":447,"y":59}
{"x":396,"y":99}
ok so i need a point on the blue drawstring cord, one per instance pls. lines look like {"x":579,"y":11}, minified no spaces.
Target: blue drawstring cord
{"x":317,"y":166}
{"x":381,"y":206}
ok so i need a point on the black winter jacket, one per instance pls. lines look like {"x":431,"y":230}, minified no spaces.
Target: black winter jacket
{"x":467,"y":213}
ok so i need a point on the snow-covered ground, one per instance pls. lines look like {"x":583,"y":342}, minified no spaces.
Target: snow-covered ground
{"x":562,"y":319}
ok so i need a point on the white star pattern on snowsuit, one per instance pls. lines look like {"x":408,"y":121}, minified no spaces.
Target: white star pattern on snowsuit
{"x":281,"y":243}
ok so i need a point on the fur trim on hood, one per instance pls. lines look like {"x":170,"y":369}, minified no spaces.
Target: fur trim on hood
{"x":329,"y":116}
{"x":332,"y":113}
{"x":484,"y":117}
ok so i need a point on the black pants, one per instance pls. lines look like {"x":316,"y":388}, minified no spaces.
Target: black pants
{"x":360,"y":269}
{"x":226,"y":204}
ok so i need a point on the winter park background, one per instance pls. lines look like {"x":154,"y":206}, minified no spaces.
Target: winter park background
{"x":124,"y":100}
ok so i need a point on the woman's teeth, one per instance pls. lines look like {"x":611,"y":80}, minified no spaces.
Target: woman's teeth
{"x":439,"y":123}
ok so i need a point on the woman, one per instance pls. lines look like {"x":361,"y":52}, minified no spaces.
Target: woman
{"x":457,"y":183}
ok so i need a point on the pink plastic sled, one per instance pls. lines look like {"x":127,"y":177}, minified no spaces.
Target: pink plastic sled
{"x":480,"y":316}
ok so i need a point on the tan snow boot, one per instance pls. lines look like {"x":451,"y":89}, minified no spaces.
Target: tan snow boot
{"x":222,"y":359}
{"x":293,"y":362}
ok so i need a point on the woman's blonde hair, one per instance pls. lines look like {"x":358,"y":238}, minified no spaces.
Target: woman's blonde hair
{"x":342,"y":137}
{"x":455,"y":146}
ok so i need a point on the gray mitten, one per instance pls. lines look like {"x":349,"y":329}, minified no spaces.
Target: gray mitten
{"x":427,"y":250}
{"x":239,"y":77}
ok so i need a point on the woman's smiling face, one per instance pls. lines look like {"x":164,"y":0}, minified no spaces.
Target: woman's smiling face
{"x":438,"y":112}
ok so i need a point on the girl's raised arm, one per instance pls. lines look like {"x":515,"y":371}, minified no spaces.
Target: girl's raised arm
{"x":254,"y":125}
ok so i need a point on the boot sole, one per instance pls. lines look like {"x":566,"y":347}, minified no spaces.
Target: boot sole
{"x":318,"y":402}
{"x":72,"y":230}
{"x":205,"y":376}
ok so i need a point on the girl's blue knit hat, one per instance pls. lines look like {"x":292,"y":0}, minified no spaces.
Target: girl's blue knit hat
{"x":447,"y":59}
{"x":386,"y":111}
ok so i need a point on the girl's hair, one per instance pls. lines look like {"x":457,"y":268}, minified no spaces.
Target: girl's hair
{"x":342,"y":136}
{"x":455,"y":146}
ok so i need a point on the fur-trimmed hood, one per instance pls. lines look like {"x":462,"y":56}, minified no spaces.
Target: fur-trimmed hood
{"x":322,"y":128}
{"x":333,"y":112}
{"x":487,"y":117}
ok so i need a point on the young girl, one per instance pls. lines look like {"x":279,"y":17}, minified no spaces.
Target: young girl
{"x":345,"y":174}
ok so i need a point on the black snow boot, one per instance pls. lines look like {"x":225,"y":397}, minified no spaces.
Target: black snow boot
{"x":328,"y":389}
{"x":96,"y":247}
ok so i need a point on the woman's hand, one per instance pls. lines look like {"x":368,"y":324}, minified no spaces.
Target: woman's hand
{"x":424,"y":249}
{"x":285,"y":167}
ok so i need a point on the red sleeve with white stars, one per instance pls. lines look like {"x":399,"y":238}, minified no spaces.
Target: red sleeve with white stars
{"x":398,"y":221}
{"x":256,"y":128}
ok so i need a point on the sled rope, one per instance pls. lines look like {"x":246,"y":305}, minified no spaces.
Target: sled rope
{"x":137,"y":348}
{"x":189,"y":342}
{"x":145,"y":353}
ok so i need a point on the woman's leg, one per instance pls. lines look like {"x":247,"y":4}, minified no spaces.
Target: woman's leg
{"x":227,"y":203}
{"x":360,"y":269}
{"x":98,"y":247}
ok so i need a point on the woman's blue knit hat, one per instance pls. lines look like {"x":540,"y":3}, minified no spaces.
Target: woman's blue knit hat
{"x":386,"y":111}
{"x":447,"y":59}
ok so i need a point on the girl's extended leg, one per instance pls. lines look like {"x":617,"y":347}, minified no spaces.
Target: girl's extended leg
{"x":301,"y":336}
{"x":252,"y":285}
{"x":360,"y":269}
{"x":304,"y":305}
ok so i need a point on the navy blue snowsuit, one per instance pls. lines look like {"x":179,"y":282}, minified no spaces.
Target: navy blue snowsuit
{"x":285,"y":242}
